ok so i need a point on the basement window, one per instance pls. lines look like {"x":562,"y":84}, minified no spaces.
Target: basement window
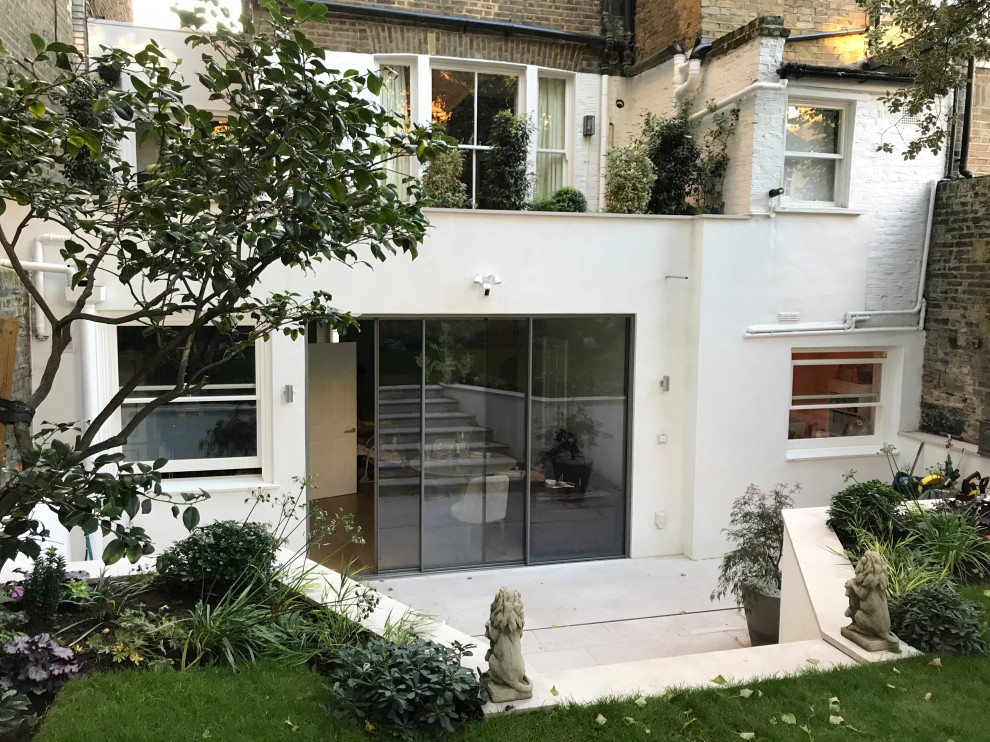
{"x":213,"y":431}
{"x":836,"y":395}
{"x":815,"y":161}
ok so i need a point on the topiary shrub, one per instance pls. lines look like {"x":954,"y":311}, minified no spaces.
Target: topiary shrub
{"x":43,"y":590}
{"x":503,"y":182}
{"x":869,"y":506}
{"x":672,"y":149}
{"x":442,"y":181}
{"x":568,"y":199}
{"x":629,"y":179}
{"x":934,"y":618}
{"x":220,"y":554}
{"x":410,"y":690}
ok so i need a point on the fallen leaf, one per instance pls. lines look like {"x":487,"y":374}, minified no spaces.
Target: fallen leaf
{"x":369,"y":726}
{"x":835,"y":720}
{"x":628,"y":720}
{"x":640,"y":702}
{"x":391,"y":589}
{"x":891,"y":686}
{"x":986,"y":593}
{"x":470,"y":578}
{"x":689,"y":722}
{"x":788,"y":718}
{"x":746,"y":692}
{"x":601,"y":720}
{"x":683,"y":613}
{"x":381,"y":580}
{"x":293,"y":727}
{"x":813,"y":661}
{"x":937,"y":662}
{"x":206,"y":734}
{"x":896,"y":670}
{"x":928,"y":696}
{"x":719,"y":680}
{"x":554,"y":691}
{"x":759,"y":693}
{"x":747,"y":735}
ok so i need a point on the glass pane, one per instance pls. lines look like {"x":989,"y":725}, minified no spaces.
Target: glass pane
{"x":550,"y":124}
{"x":809,"y":179}
{"x":549,"y":173}
{"x":812,"y":129}
{"x":832,"y":423}
{"x":397,"y":442}
{"x":134,"y":346}
{"x":475,"y":442}
{"x":193,"y":430}
{"x":578,"y":496}
{"x":836,"y":384}
{"x":395,"y":97}
{"x":453,"y":103}
{"x":844,"y":355}
{"x":495,"y":93}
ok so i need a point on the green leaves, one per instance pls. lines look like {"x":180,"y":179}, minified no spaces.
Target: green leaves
{"x":38,"y":43}
{"x":190,"y":518}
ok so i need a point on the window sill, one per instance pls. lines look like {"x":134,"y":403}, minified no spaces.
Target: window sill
{"x":837,"y":452}
{"x":216,"y":484}
{"x":839,"y":210}
{"x":938,"y":441}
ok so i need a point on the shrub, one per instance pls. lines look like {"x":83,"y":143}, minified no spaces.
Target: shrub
{"x":629,"y":180}
{"x":412,"y":689}
{"x":934,"y":618}
{"x":442,"y":181}
{"x":43,"y":589}
{"x":36,"y":664}
{"x":952,"y":541}
{"x":713,"y":163}
{"x":568,"y":199}
{"x":907,"y":568}
{"x":671,"y":147}
{"x":220,"y":554}
{"x":756,"y":527}
{"x":870,"y":506}
{"x":14,"y":707}
{"x":505,"y":184}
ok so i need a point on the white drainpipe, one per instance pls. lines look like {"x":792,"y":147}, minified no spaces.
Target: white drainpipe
{"x":687,"y":78}
{"x":848,"y":323}
{"x":698,"y":115}
{"x":39,"y":268}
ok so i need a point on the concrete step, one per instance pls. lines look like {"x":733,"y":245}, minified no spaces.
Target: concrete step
{"x":390,"y":420}
{"x":407,"y":392}
{"x":433,"y":404}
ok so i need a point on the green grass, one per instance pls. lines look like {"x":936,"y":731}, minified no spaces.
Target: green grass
{"x":884,"y":702}
{"x":980,"y":594}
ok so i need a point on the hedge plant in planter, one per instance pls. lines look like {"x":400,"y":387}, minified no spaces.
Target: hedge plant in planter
{"x":869,"y":506}
{"x":751,"y":571}
{"x":567,"y":199}
{"x":504,"y":182}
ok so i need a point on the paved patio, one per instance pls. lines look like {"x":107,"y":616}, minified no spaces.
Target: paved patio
{"x":588,"y":613}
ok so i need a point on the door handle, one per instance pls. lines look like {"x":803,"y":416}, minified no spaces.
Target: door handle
{"x":351,"y":430}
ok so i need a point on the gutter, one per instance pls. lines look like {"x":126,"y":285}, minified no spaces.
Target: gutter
{"x":814,"y":36}
{"x":459,"y":23}
{"x":792,"y":69}
{"x":848,"y":323}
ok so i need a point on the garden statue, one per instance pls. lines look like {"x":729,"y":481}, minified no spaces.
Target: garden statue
{"x":867,"y":593}
{"x":506,"y":677}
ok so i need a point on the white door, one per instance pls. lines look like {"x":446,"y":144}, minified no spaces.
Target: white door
{"x":332,"y":418}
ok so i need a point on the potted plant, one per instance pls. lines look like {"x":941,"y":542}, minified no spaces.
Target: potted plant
{"x":751,"y":571}
{"x":565,"y":452}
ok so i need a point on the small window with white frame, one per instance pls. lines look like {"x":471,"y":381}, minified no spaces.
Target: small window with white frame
{"x":211,"y":432}
{"x":551,"y":136}
{"x":836,"y":394}
{"x":815,"y":156}
{"x":395,"y":97}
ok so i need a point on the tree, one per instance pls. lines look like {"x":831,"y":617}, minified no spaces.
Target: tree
{"x":296,"y":176}
{"x":934,"y":40}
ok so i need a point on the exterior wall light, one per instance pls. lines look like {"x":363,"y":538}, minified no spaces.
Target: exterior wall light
{"x":588,"y":129}
{"x":487,"y":280}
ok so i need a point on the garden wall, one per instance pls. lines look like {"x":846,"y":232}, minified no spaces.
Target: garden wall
{"x":956,"y":378}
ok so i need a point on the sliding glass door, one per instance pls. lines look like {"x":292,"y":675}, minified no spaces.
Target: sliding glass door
{"x":500,"y":441}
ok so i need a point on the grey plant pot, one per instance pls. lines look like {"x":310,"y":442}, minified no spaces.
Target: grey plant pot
{"x":762,"y":617}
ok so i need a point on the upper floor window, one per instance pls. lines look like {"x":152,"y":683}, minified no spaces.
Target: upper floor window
{"x":551,"y":135}
{"x":836,"y":394}
{"x":815,"y":156}
{"x":395,"y":97}
{"x":465,"y":104}
{"x":212,"y":431}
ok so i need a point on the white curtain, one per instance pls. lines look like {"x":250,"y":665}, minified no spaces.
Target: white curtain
{"x":394,"y":97}
{"x":550,"y":135}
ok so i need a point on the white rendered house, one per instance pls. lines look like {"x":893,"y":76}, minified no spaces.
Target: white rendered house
{"x":552,"y":387}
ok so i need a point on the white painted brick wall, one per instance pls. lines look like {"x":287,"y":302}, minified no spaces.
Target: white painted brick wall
{"x":587,"y":150}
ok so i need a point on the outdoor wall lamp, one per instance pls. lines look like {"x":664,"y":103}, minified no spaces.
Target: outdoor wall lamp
{"x":487,"y":280}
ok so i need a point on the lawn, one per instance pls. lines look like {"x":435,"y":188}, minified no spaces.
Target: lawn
{"x":270,"y":702}
{"x":980,"y":594}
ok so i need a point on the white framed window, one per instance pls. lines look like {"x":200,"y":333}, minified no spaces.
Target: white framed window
{"x":551,"y":135}
{"x":464,"y":103}
{"x":816,"y":152}
{"x":213,"y":432}
{"x":837,"y":397}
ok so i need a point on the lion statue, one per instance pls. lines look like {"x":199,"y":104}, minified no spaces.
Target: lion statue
{"x":506,"y":677}
{"x":867,"y":593}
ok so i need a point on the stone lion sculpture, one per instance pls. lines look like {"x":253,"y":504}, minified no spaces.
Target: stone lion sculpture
{"x":867,"y":593}
{"x":506,"y":677}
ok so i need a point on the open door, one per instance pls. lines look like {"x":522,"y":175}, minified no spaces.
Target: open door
{"x":332,"y":419}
